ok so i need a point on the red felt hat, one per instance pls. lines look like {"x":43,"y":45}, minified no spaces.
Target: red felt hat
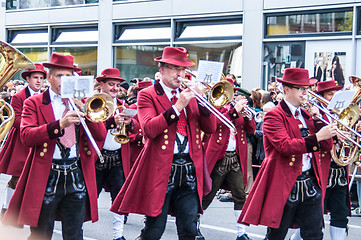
{"x":61,"y":61}
{"x":143,"y":84}
{"x":327,"y":86}
{"x":38,"y":68}
{"x":176,"y":56}
{"x":110,"y":73}
{"x":296,"y":76}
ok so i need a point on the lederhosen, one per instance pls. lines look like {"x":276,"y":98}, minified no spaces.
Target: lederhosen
{"x":181,"y":197}
{"x":65,"y":196}
{"x":303,"y":206}
{"x":336,"y":195}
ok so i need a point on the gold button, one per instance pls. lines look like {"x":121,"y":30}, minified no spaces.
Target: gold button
{"x":314,"y":148}
{"x":218,"y":141}
{"x":42,"y":154}
{"x":45,"y":150}
{"x":220,"y":138}
{"x":45,"y":144}
{"x":241,"y":135}
{"x":234,"y":115}
{"x":89,"y":153}
{"x":199,"y":146}
{"x":166,"y":136}
{"x":140,"y":130}
{"x":57,"y":167}
{"x":293,"y":155}
{"x":322,"y":155}
{"x":220,"y":126}
{"x":241,"y":139}
{"x":112,"y":126}
{"x":293,"y":159}
{"x":307,"y":173}
{"x":56,"y":131}
{"x":220,"y":134}
{"x":164,"y":147}
{"x":243,"y":142}
{"x":85,"y":149}
{"x":242,"y":130}
{"x":197,"y":136}
{"x":139,"y":143}
{"x":197,"y":123}
{"x":291,"y":164}
{"x":166,"y":142}
{"x":197,"y":141}
{"x":172,"y":116}
{"x":220,"y":130}
{"x":334,"y":141}
{"x":325,"y":152}
{"x":165,"y":131}
{"x":197,"y":129}
{"x":85,"y":143}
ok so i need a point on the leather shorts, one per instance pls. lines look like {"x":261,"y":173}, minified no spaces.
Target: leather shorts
{"x":305,"y":188}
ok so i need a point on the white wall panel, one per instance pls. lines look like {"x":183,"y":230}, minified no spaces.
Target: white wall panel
{"x":142,"y":10}
{"x":206,"y":6}
{"x":52,"y":16}
{"x":271,"y":4}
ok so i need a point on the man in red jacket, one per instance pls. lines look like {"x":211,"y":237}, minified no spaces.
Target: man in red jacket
{"x":168,"y":174}
{"x":287,"y":189}
{"x":14,"y":153}
{"x":58,"y":179}
{"x":116,"y":166}
{"x":226,"y":156}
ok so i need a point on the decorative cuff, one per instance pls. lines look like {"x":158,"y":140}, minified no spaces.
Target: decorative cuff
{"x":170,"y":116}
{"x":311,"y":143}
{"x":53,"y":129}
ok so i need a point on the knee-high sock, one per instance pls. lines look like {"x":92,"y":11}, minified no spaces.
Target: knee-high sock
{"x":337,"y":233}
{"x":296,"y":235}
{"x":8,"y":194}
{"x":241,"y":229}
{"x":118,"y":225}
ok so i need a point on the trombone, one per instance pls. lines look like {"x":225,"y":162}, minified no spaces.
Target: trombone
{"x":218,"y":91}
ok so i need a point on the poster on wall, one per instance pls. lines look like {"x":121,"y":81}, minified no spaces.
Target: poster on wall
{"x":330,"y":66}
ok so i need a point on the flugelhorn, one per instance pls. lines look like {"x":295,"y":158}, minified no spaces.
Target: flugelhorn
{"x":120,"y":132}
{"x":12,"y":61}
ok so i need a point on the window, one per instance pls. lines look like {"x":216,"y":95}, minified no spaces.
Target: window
{"x":141,"y":32}
{"x":137,"y":61}
{"x":75,"y":35}
{"x":26,"y":37}
{"x":84,"y":57}
{"x":27,"y":4}
{"x":330,"y":22}
{"x":228,"y":28}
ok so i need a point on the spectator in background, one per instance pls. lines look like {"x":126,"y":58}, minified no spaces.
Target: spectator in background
{"x":234,"y":79}
{"x":337,"y":72}
{"x":157,"y":76}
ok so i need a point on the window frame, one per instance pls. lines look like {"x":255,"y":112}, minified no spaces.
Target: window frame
{"x":57,"y":30}
{"x":12,"y":33}
{"x":316,"y":34}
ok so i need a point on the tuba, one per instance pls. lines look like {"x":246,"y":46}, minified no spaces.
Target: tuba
{"x":99,"y":107}
{"x":12,"y":61}
{"x":347,"y":152}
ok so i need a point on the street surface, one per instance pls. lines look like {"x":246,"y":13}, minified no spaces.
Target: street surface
{"x":218,"y":223}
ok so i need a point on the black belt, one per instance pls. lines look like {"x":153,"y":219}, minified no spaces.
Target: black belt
{"x":64,"y":165}
{"x":181,"y":155}
{"x":110,"y":151}
{"x":306,"y":174}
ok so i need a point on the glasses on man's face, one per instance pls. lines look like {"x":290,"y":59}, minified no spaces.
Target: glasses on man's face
{"x":302,"y":89}
{"x":176,"y":69}
{"x":60,"y":75}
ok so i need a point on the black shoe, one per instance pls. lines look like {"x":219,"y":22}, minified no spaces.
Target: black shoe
{"x":225,"y":199}
{"x":243,"y":237}
{"x":121,"y":238}
{"x":125,"y":219}
{"x":199,"y":235}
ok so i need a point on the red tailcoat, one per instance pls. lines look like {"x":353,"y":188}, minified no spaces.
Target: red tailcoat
{"x":125,"y":149}
{"x":284,"y":147}
{"x":145,"y":189}
{"x":136,"y":141}
{"x":218,"y":142}
{"x":14,"y":153}
{"x":40,"y":131}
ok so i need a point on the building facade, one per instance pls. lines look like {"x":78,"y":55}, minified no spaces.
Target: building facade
{"x":256,"y":39}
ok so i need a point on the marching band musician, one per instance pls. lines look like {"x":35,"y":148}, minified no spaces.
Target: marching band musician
{"x":226,"y":156}
{"x":168,"y":175}
{"x":137,"y":139}
{"x":116,"y":166}
{"x":287,"y":189}
{"x":336,"y":192}
{"x":58,"y":179}
{"x":14,"y":153}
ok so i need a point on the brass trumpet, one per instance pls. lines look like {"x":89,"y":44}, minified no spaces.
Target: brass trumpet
{"x":120,"y":133}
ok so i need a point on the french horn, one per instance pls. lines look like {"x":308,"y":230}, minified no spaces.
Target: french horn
{"x":12,"y":61}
